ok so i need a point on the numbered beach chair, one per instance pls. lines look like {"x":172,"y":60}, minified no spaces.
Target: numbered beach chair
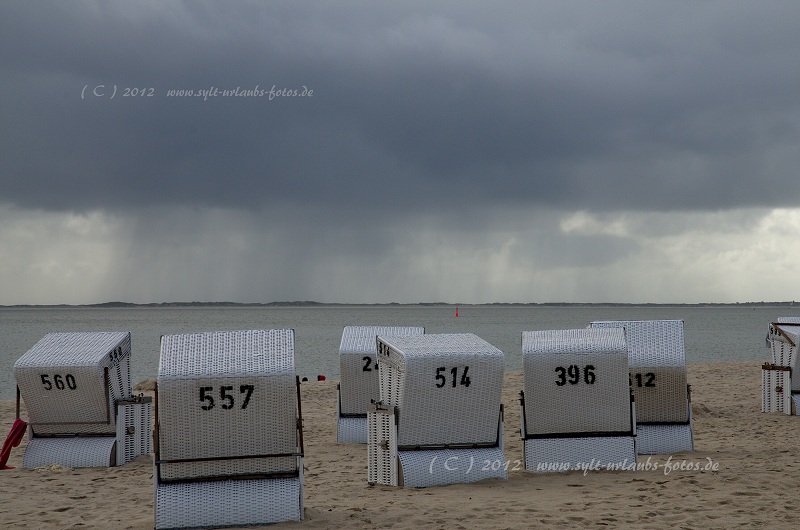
{"x":657,"y":359}
{"x":77,"y":392}
{"x":229,"y":439}
{"x":577,"y":409}
{"x":359,"y":385}
{"x":439,"y":419}
{"x":780,"y":390}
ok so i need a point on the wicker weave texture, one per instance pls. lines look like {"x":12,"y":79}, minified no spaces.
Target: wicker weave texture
{"x":783,"y":353}
{"x":382,"y":448}
{"x":446,"y":387}
{"x":351,"y":431}
{"x":227,"y":503}
{"x":576,"y":381}
{"x":422,"y":469}
{"x":89,"y":451}
{"x":545,"y":455}
{"x":63,"y":383}
{"x":227,"y":394}
{"x":785,"y":340}
{"x":657,"y":360}
{"x":664,"y":439}
{"x":358,"y":366}
{"x":134,"y":430}
{"x":229,"y":353}
{"x":775,"y":389}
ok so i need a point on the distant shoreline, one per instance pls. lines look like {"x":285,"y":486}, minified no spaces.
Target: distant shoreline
{"x":129,"y":305}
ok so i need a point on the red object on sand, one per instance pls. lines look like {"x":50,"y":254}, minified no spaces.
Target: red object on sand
{"x":456,"y":310}
{"x":12,"y":440}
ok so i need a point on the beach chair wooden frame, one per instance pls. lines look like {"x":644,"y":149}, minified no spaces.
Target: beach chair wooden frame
{"x":440,"y":417}
{"x":77,"y":393}
{"x":229,"y":436}
{"x":576,"y":410}
{"x":358,"y":378}
{"x":780,"y":390}
{"x":659,"y":382}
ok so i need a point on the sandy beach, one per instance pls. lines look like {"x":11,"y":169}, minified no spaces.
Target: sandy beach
{"x":755,"y":484}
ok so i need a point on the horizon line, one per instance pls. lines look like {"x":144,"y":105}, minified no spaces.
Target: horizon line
{"x":119,"y":304}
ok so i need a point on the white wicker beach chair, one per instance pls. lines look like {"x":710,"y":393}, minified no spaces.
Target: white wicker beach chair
{"x":439,"y":420}
{"x":359,"y":385}
{"x":577,"y":410}
{"x":780,"y":390}
{"x":657,"y":359}
{"x":229,"y":446}
{"x":77,"y":391}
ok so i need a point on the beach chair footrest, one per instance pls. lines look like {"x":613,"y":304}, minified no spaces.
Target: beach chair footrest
{"x":664,"y":439}
{"x":595,"y":453}
{"x":75,"y":451}
{"x":437,"y":467}
{"x":352,"y":430}
{"x":228,"y":503}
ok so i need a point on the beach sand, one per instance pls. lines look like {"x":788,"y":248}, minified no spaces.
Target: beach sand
{"x":756,"y":484}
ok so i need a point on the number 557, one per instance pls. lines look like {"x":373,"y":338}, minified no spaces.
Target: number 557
{"x":225,"y":396}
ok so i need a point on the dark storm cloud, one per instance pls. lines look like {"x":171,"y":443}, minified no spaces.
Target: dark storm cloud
{"x":415,"y":106}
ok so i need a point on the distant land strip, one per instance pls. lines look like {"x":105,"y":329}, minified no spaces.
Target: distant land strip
{"x":114,"y":305}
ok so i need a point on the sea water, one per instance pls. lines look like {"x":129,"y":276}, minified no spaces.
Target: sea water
{"x":713,"y":333}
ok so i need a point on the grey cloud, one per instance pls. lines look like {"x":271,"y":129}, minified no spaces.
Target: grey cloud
{"x":416,"y":108}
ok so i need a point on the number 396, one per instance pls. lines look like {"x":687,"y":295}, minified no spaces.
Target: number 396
{"x":572,"y":374}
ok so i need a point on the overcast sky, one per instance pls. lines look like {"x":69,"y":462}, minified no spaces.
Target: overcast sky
{"x":464,"y":152}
